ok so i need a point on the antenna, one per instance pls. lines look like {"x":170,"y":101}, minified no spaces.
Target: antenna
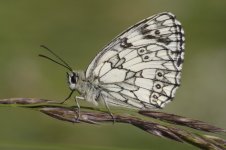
{"x":62,"y":63}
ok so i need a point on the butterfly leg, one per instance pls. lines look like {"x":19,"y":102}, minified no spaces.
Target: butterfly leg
{"x":67,"y":97}
{"x":78,"y":110}
{"x":112,"y":116}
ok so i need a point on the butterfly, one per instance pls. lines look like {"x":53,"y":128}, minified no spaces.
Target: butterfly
{"x":139,"y":69}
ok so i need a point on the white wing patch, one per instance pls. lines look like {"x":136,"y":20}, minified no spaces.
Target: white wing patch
{"x":113,"y":76}
{"x":141,"y":68}
{"x":144,"y":83}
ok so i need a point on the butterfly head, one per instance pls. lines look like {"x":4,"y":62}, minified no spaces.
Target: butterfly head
{"x":72,"y":79}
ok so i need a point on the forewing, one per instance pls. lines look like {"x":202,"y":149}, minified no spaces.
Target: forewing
{"x":141,"y":67}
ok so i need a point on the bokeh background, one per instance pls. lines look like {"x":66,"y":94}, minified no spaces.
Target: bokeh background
{"x":77,"y":30}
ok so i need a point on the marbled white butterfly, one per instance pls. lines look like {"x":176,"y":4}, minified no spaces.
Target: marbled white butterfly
{"x":140,"y":68}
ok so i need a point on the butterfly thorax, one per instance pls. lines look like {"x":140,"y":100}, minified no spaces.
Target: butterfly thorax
{"x":88,"y":90}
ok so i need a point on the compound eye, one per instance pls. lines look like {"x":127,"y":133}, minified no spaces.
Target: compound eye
{"x":73,"y":78}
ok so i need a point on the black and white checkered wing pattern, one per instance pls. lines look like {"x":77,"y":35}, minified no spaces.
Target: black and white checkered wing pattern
{"x":141,"y":68}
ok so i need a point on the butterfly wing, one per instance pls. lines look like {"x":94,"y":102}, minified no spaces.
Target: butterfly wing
{"x":141,"y":68}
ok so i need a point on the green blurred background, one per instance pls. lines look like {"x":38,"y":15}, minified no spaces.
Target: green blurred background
{"x":77,"y":30}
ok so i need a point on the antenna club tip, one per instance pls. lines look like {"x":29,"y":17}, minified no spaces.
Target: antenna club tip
{"x":42,"y":46}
